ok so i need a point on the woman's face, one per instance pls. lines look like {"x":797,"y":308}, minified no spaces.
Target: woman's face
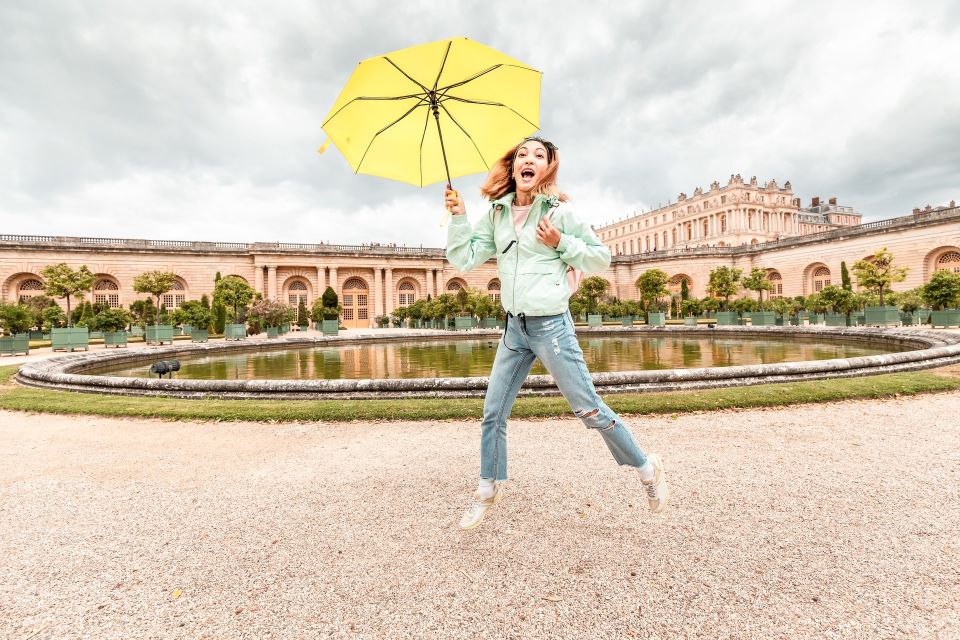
{"x":529,"y":165}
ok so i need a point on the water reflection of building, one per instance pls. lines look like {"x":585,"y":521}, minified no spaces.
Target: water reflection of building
{"x":740,"y":225}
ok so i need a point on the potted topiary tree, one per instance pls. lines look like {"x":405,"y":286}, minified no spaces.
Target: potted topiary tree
{"x":270,"y":314}
{"x":61,"y":281}
{"x":463,"y":317}
{"x":329,"y":312}
{"x":592,"y":290}
{"x":757,"y":281}
{"x":877,"y":274}
{"x":303,"y":319}
{"x":233,"y":292}
{"x":691,"y":309}
{"x":652,"y":285}
{"x":725,"y":282}
{"x":199,"y":317}
{"x":942,"y":293}
{"x":909,"y":303}
{"x":156,"y":283}
{"x":15,"y":320}
{"x":113,"y":323}
{"x":842,"y":302}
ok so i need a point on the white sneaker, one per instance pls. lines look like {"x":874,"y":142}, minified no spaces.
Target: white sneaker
{"x":656,"y":489}
{"x":474,"y":514}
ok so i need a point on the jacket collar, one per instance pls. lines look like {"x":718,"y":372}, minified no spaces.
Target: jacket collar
{"x":507,"y":200}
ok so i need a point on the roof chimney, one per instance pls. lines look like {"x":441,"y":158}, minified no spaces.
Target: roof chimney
{"x":833,"y":200}
{"x":815,"y":202}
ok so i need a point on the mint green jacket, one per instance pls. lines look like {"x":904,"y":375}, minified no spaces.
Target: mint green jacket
{"x":533,"y":276}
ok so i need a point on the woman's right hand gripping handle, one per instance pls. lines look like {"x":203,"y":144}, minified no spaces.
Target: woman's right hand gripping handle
{"x":453,"y":202}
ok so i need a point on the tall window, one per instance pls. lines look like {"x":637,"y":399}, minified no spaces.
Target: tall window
{"x":949,"y":262}
{"x":776,"y":282}
{"x":175,"y":299}
{"x":106,"y":292}
{"x":408,"y":294}
{"x":355,"y":309}
{"x":821,"y":278}
{"x":297,"y":293}
{"x":493,"y":290}
{"x":30,"y":288}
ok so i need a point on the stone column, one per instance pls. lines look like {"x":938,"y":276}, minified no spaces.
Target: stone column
{"x":333,"y":280}
{"x":258,"y":279}
{"x":429,"y":291}
{"x":321,"y":280}
{"x":377,"y":293}
{"x":272,"y":292}
{"x":389,"y":288}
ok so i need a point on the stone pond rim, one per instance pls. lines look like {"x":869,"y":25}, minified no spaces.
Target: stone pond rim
{"x":927,"y":349}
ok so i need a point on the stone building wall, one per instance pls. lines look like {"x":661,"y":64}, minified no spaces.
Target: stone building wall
{"x":922,"y":242}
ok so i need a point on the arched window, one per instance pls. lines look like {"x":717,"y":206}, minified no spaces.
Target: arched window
{"x":493,"y":290}
{"x":297,"y":292}
{"x":30,"y":288}
{"x":776,"y":282}
{"x":821,"y":278}
{"x":454,"y":286}
{"x":949,"y":261}
{"x":408,"y":293}
{"x":104,"y":292}
{"x":175,"y":299}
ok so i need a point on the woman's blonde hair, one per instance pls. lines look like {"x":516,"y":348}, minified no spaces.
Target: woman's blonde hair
{"x":500,"y":181}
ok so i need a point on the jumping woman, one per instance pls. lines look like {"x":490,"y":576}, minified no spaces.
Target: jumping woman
{"x":541,"y":249}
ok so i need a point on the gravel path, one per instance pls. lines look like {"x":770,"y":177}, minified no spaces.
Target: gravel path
{"x":832,"y":521}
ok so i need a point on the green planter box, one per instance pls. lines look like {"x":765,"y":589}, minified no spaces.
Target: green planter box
{"x":273,"y":332}
{"x":836,"y":320}
{"x":12,"y":345}
{"x":177,"y":331}
{"x":881,"y":316}
{"x":115,"y":339}
{"x":924,"y":315}
{"x":136,"y":331}
{"x":690,"y":321}
{"x":159,"y":334}
{"x":594,"y":320}
{"x":462,"y":323}
{"x":70,"y":338}
{"x":235,"y":332}
{"x":795,"y":321}
{"x":199,"y":335}
{"x":96,"y":335}
{"x":37,"y":335}
{"x":946,"y":318}
{"x":655,"y":319}
{"x":627,"y":321}
{"x":763,"y":318}
{"x":284,"y":328}
{"x":908,"y":318}
{"x":727,"y":318}
{"x":187,"y":330}
{"x":489,"y":323}
{"x":304,"y":326}
{"x":816,"y":318}
{"x":330,"y":327}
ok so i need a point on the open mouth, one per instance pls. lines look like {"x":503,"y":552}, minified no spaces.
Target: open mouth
{"x":527,"y":174}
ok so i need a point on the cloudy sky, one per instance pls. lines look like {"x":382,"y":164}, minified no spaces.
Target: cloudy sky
{"x":201,"y":120}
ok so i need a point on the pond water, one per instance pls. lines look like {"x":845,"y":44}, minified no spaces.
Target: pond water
{"x":457,"y":358}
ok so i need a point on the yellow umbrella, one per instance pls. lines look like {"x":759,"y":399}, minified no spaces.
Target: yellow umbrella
{"x":434,"y":112}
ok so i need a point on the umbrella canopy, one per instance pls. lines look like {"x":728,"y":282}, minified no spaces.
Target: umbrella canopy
{"x":434,"y":112}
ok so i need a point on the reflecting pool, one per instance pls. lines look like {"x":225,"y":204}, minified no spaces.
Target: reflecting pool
{"x":460,"y":358}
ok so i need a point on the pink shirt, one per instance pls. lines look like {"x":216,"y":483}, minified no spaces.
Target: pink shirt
{"x":519,"y":218}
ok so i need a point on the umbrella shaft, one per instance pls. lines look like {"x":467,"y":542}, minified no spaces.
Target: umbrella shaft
{"x":436,"y":116}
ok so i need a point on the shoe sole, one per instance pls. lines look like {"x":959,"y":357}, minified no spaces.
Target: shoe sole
{"x":496,"y":500}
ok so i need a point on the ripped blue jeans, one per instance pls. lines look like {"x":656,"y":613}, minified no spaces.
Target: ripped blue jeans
{"x":551,"y":339}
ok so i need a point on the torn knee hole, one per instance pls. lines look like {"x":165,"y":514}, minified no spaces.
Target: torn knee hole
{"x":609,"y":426}
{"x":589,"y":414}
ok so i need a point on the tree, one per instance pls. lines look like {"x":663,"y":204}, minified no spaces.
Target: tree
{"x":36,"y":305}
{"x":330,"y":299}
{"x":219,"y":310}
{"x":60,"y":281}
{"x":652,"y":285}
{"x":839,"y":299}
{"x":757,"y":281}
{"x":144,"y":312}
{"x":878,"y":273}
{"x":592,"y":289}
{"x":111,"y":320}
{"x":302,"y":313}
{"x":943,"y":290}
{"x":684,"y":289}
{"x":15,"y":318}
{"x":233,"y":292}
{"x":845,"y":277}
{"x":156,"y":283}
{"x":196,"y":315}
{"x":724,"y":282}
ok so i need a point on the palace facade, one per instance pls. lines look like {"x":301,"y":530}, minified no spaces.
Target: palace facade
{"x":701,"y":233}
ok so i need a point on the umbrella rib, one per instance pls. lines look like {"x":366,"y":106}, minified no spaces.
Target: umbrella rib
{"x":485,"y":72}
{"x":442,"y":65}
{"x":406,"y":74}
{"x":374,"y":138}
{"x":423,"y":136}
{"x":469,"y":137}
{"x":406,"y":97}
{"x":489,"y":104}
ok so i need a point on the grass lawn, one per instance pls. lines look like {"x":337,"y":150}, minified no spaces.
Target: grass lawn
{"x":18,"y":398}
